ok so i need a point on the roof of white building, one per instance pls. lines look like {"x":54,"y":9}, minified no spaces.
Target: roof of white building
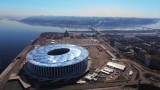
{"x":116,"y":65}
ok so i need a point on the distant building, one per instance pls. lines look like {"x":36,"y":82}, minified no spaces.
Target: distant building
{"x":66,"y":34}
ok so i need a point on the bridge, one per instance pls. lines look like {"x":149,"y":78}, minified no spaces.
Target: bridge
{"x":133,"y":27}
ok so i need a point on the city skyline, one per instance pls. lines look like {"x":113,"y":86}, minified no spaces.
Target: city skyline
{"x":107,"y":8}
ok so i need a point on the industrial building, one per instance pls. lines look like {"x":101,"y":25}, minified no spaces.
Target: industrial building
{"x":57,"y":62}
{"x":116,"y":65}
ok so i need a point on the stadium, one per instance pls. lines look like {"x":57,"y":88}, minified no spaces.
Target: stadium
{"x":57,"y":62}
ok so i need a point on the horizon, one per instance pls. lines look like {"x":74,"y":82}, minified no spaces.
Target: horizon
{"x":9,"y":16}
{"x":81,"y":8}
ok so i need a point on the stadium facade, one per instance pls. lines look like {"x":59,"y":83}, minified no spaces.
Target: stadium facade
{"x":57,"y":62}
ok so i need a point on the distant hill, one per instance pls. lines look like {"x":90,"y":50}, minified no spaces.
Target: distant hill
{"x":100,"y":22}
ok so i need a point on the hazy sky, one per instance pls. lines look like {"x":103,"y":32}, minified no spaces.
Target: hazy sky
{"x":113,"y":8}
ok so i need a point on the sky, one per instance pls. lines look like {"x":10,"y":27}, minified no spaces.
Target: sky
{"x":102,"y":8}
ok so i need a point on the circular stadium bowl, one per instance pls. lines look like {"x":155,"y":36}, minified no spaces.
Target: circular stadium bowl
{"x":57,"y":62}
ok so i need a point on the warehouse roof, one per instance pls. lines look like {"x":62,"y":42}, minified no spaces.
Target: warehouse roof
{"x":116,"y":65}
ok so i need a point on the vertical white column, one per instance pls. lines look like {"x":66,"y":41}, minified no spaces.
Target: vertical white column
{"x":51,"y":72}
{"x":40,"y":70}
{"x":48,"y":72}
{"x":64,"y":71}
{"x":68,"y":70}
{"x":57,"y":71}
{"x":32,"y":67}
{"x":78,"y":66}
{"x":75,"y":67}
{"x":44,"y":72}
{"x":35,"y":69}
{"x":54,"y":71}
{"x":60,"y":71}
